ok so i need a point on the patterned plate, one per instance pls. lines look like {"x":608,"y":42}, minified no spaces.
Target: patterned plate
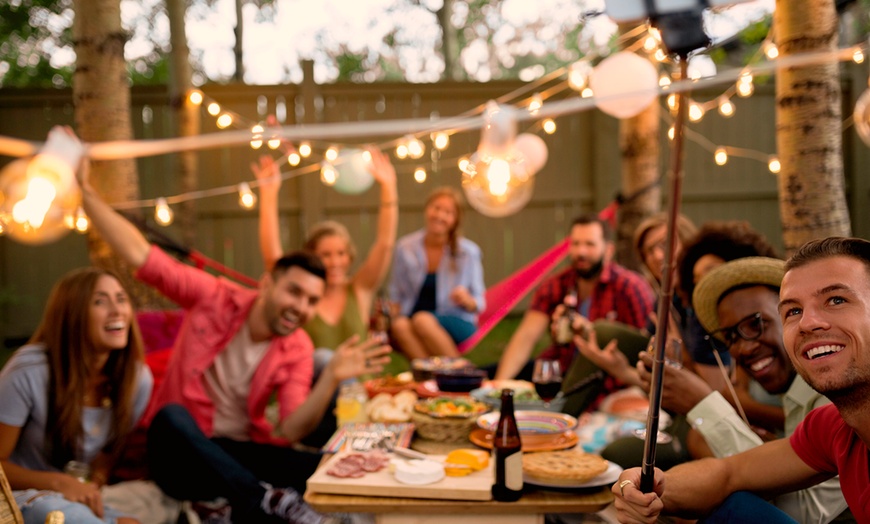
{"x":532,"y":422}
{"x":568,"y":439}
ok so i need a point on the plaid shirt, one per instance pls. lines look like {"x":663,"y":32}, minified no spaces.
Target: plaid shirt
{"x":620,"y":294}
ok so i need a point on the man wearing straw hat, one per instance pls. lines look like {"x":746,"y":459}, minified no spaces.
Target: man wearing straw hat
{"x":744,"y":294}
{"x":824,"y":308}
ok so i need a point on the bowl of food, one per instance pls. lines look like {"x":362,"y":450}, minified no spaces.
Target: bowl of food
{"x":462,"y":380}
{"x":424,"y":369}
{"x":532,"y":422}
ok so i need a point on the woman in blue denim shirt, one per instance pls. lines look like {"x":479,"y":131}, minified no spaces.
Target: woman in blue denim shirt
{"x":437,"y":281}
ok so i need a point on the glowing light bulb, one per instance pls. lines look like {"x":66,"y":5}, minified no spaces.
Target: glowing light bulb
{"x":367,"y":157}
{"x":402,"y":151}
{"x":858,"y":56}
{"x":672,"y":102}
{"x":498,"y":175}
{"x":331,"y":153}
{"x":650,"y":44}
{"x":745,"y":87}
{"x":535,"y":104}
{"x":328,"y":174}
{"x":660,"y":55}
{"x":257,"y":133}
{"x":665,"y":81}
{"x":31,"y":210}
{"x":549,"y":126}
{"x":195,"y":97}
{"x":463,"y":164}
{"x":721,"y":156}
{"x":69,"y":220}
{"x":773,"y":164}
{"x":586,"y":93}
{"x":671,"y":133}
{"x":441,"y":140}
{"x":578,"y":75}
{"x":163,"y":213}
{"x":247,"y":198}
{"x":655,"y":33}
{"x":82,"y":223}
{"x":726,"y":107}
{"x":293,"y":159}
{"x":415,"y":148}
{"x":305,"y":149}
{"x":696,"y":111}
{"x":274,"y":143}
{"x":770,"y":50}
{"x":214,"y":109}
{"x":224,"y":121}
{"x":420,"y":175}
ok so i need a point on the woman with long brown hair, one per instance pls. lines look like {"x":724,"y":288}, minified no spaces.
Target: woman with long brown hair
{"x":70,"y":397}
{"x":437,"y":281}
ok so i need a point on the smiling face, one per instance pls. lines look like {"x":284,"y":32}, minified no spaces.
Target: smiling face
{"x":825,"y":311}
{"x":588,"y":249}
{"x":765,"y":358}
{"x":289,"y":299}
{"x":333,"y":251}
{"x":653,"y":250}
{"x":109,"y":315}
{"x":441,"y":216}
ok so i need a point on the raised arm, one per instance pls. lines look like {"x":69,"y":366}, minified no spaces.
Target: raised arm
{"x":518,"y":350}
{"x":269,"y":176}
{"x":124,"y":238}
{"x":374,"y":269}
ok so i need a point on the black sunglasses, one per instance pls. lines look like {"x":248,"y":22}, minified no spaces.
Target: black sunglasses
{"x":749,"y":329}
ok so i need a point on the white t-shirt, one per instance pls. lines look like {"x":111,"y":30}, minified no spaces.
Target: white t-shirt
{"x":228,"y":382}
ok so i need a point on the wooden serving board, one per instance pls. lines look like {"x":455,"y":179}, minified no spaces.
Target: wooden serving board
{"x":476,"y":486}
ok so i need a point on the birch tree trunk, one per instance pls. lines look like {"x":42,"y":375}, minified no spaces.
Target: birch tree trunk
{"x":101,"y":95}
{"x":186,"y":115}
{"x":809,"y":126}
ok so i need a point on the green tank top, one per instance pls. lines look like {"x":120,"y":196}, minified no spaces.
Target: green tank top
{"x":325,"y":335}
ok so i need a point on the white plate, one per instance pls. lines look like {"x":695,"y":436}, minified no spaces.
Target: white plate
{"x":608,"y":477}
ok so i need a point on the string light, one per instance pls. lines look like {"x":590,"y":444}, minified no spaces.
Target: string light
{"x":586,"y":93}
{"x":163,"y":213}
{"x":671,"y":133}
{"x":745,"y":87}
{"x":257,"y":140}
{"x":726,"y":107}
{"x":293,"y":159}
{"x":214,"y":109}
{"x":420,"y":175}
{"x":274,"y":143}
{"x":247,"y":198}
{"x":549,"y":126}
{"x":195,"y":97}
{"x":660,"y":55}
{"x":401,"y":150}
{"x":328,"y":174}
{"x":305,"y":149}
{"x":535,"y":104}
{"x":770,"y":50}
{"x":440,"y":140}
{"x":672,"y":102}
{"x":721,"y":156}
{"x":650,"y":43}
{"x":415,"y":148}
{"x":225,"y":120}
{"x":578,"y":75}
{"x":69,"y":220}
{"x":858,"y":56}
{"x":773,"y":164}
{"x":82,"y":222}
{"x":331,"y":153}
{"x":463,"y":163}
{"x":665,"y":81}
{"x":696,"y":111}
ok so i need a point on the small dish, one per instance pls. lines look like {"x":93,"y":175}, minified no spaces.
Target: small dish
{"x":424,"y":369}
{"x":451,"y":407}
{"x":462,"y":380}
{"x":532,"y":422}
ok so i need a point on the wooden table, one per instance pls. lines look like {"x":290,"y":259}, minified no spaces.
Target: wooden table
{"x":530,"y":509}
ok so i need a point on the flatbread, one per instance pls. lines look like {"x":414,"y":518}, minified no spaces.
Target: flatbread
{"x":570,"y":466}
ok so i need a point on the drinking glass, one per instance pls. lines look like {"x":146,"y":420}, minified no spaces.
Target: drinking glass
{"x":547,"y":377}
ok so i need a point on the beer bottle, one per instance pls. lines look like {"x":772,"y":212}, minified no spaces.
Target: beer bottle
{"x":507,"y":453}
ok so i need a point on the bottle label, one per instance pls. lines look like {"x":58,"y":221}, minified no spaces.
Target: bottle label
{"x":513,"y":471}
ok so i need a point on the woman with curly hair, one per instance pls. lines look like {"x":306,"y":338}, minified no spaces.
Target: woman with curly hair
{"x":73,"y":394}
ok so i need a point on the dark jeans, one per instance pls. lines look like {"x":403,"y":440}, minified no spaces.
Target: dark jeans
{"x":743,"y":507}
{"x":187,"y":465}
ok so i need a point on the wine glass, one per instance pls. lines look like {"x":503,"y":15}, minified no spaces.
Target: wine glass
{"x":547,"y":377}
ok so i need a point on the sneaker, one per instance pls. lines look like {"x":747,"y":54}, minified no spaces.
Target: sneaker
{"x":214,"y":512}
{"x":287,"y":504}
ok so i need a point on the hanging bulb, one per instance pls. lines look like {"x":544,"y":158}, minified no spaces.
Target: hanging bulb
{"x":587,"y":93}
{"x":463,"y":163}
{"x":274,"y":143}
{"x":650,"y":44}
{"x":415,"y":147}
{"x":660,"y":55}
{"x":535,"y":104}
{"x":328,"y":174}
{"x":726,"y":107}
{"x":163,"y":213}
{"x":720,"y":156}
{"x":672,"y":103}
{"x":69,"y":220}
{"x":247,"y":198}
{"x":256,"y":136}
{"x":331,"y":153}
{"x":498,"y":186}
{"x":773,"y":164}
{"x":665,"y":81}
{"x":770,"y":50}
{"x":858,"y":56}
{"x":671,"y":133}
{"x":578,"y":75}
{"x":82,"y":222}
{"x":420,"y":175}
{"x":214,"y":109}
{"x":401,"y":150}
{"x":745,"y":87}
{"x":224,"y":121}
{"x":195,"y":97}
{"x":549,"y":126}
{"x":440,"y":140}
{"x":305,"y":149}
{"x":293,"y":159}
{"x":696,"y":111}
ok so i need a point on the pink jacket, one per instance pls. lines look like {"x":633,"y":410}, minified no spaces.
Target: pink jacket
{"x":216,"y":309}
